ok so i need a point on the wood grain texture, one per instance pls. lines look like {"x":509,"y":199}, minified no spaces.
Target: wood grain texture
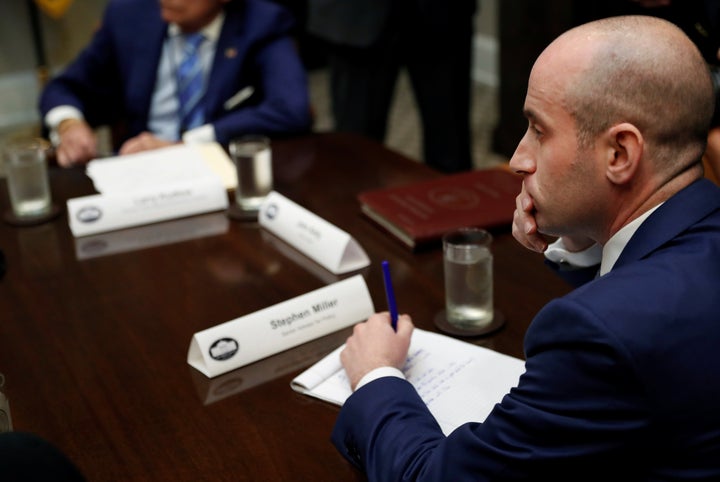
{"x":94,"y":350}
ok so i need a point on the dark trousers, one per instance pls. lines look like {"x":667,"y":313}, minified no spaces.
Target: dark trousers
{"x":437,"y":57}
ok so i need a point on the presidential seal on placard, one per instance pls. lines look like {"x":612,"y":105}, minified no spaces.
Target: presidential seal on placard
{"x":271,"y":211}
{"x":89,"y":214}
{"x":224,"y":349}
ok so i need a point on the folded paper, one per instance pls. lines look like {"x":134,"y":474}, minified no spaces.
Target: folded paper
{"x":318,"y":239}
{"x":168,"y":165}
{"x":252,"y":337}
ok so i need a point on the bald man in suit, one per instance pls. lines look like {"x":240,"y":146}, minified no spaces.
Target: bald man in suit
{"x":620,"y":374}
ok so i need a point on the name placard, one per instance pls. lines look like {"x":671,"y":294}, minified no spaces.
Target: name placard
{"x":99,"y":213}
{"x":318,"y":239}
{"x":211,"y":390}
{"x":241,"y":341}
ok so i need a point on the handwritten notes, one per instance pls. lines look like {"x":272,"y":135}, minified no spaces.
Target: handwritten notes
{"x":459,"y":382}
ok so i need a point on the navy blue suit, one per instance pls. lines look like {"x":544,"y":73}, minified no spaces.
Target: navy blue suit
{"x":622,"y":377}
{"x":113,"y":79}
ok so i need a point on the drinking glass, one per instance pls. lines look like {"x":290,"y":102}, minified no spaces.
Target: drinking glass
{"x":468,"y":270}
{"x":27,"y":177}
{"x":5,"y":422}
{"x":253,"y":161}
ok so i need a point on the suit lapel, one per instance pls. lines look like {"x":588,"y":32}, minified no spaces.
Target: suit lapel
{"x":226,"y":76}
{"x":148,"y":41}
{"x":676,"y":215}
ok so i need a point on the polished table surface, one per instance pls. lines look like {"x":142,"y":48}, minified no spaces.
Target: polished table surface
{"x":94,"y":332}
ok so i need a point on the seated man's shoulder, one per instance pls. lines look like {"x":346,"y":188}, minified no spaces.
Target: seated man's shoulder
{"x":123,"y":11}
{"x":271,"y":12}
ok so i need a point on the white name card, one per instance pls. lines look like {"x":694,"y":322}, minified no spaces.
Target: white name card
{"x":321,"y":241}
{"x":100,"y":213}
{"x":211,"y":390}
{"x":258,"y":335}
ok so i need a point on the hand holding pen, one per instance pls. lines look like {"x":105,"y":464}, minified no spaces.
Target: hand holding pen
{"x":374,"y":344}
{"x":377,"y":343}
{"x":390,"y":295}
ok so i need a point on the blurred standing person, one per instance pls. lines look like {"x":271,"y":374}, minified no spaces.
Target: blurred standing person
{"x":371,"y":40}
{"x":179,"y":70}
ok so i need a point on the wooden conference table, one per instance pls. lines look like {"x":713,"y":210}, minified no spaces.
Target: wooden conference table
{"x":94,"y":332}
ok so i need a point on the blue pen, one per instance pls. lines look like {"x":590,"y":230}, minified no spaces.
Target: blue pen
{"x":390,"y":294}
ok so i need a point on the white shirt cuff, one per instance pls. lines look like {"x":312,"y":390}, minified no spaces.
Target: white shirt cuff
{"x":58,"y":114}
{"x":204,"y":133}
{"x":558,"y":253}
{"x":381,"y":372}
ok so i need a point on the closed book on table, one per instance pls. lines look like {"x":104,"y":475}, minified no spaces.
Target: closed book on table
{"x":418,"y":214}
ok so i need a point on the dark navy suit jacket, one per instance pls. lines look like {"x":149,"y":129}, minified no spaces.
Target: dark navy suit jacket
{"x":113,"y":79}
{"x":622,"y":377}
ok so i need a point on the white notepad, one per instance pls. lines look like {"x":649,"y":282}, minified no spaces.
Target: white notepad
{"x":169,"y":165}
{"x":459,"y":382}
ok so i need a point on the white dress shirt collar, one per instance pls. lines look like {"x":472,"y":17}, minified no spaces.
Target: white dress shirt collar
{"x":615,"y":245}
{"x":211,"y":31}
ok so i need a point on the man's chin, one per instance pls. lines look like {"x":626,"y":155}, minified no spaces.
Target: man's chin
{"x":170,"y":15}
{"x":545,"y":229}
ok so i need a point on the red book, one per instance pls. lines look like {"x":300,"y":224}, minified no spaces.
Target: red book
{"x":418,"y":214}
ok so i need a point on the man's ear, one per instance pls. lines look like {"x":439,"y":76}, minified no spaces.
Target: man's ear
{"x":624,"y":148}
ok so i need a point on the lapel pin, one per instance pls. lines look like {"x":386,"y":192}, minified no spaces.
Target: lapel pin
{"x":231,"y":52}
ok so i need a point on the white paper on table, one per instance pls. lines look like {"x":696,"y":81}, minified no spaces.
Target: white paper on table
{"x":169,"y":165}
{"x":458,"y":381}
{"x":241,"y":341}
{"x":318,"y":239}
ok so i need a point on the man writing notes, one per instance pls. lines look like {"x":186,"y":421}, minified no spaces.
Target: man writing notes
{"x":621,"y":379}
{"x":179,"y":70}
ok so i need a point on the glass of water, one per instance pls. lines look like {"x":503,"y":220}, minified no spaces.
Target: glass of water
{"x":5,"y":421}
{"x":27,"y":177}
{"x":468,"y":269}
{"x":253,"y":161}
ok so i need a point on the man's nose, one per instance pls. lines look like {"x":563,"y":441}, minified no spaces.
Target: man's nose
{"x":521,"y":161}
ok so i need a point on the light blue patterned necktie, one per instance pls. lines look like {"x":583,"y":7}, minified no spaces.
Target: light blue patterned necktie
{"x":190,"y":79}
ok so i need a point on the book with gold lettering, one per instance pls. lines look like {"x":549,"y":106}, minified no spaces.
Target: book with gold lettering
{"x":418,"y":214}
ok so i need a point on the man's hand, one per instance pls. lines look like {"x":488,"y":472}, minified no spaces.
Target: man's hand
{"x":78,"y":143}
{"x":524,"y":228}
{"x":143,"y":142}
{"x":374,"y":344}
